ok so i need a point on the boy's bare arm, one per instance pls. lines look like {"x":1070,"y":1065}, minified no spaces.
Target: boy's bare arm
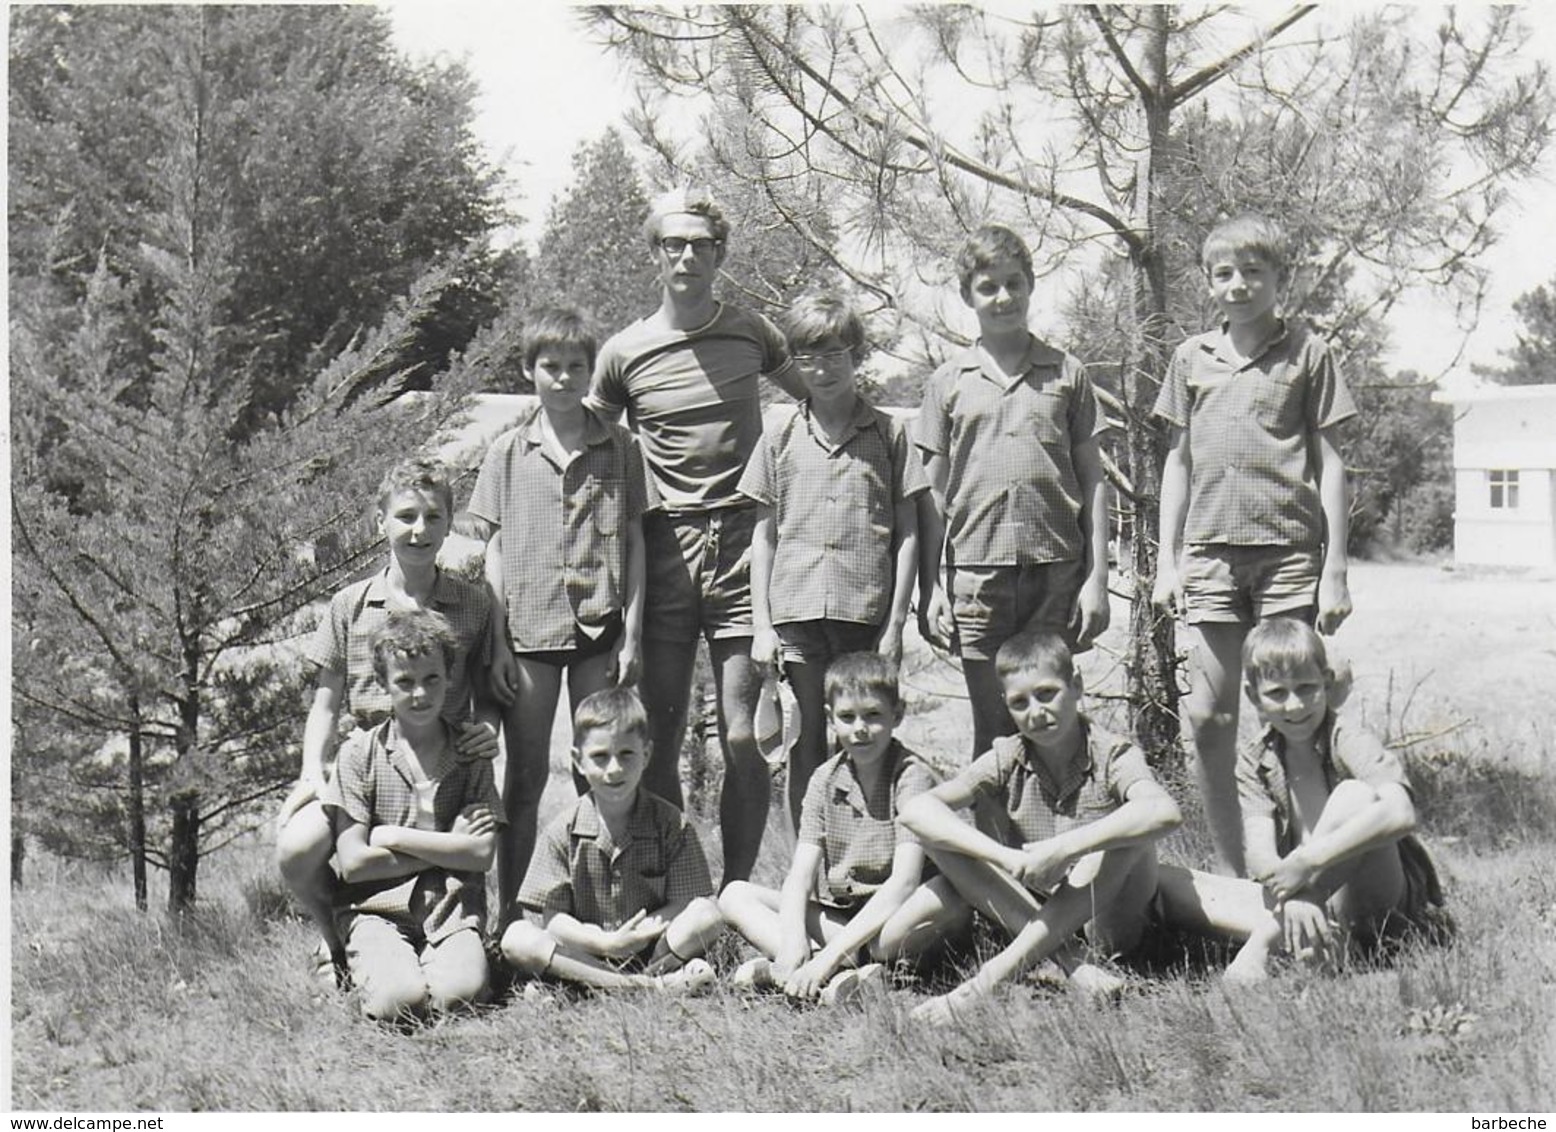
{"x":319,"y":730}
{"x":764,"y":542}
{"x":934,"y":609}
{"x":932,"y":817}
{"x":1260,"y":851}
{"x":503,"y":672}
{"x":628,"y":939}
{"x":629,"y":652}
{"x":905,"y":576}
{"x":793,"y":904}
{"x":1167,"y":592}
{"x":362,"y":861}
{"x":787,"y":378}
{"x":1092,"y":611}
{"x":468,"y":847}
{"x":1148,"y":812}
{"x":1334,"y":591}
{"x":1305,"y":869}
{"x":473,"y":526}
{"x":907,"y":867}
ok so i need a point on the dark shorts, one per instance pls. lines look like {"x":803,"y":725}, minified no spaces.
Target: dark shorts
{"x":1243,"y":585}
{"x":698,"y":574}
{"x":991,"y":604}
{"x":584,"y":646}
{"x":822,"y":641}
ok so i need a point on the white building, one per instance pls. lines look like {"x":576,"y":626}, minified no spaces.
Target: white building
{"x":1504,"y":470}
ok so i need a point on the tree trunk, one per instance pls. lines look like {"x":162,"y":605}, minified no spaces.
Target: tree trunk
{"x":137,"y":806}
{"x":183,"y":850}
{"x":18,"y":856}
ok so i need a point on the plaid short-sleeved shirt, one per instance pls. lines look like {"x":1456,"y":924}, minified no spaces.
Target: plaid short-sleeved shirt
{"x":834,"y":512}
{"x":579,"y":869}
{"x":1012,"y":495}
{"x":859,"y":835}
{"x":693,"y":398}
{"x":564,"y":529}
{"x":343,"y":643}
{"x":1253,"y":479}
{"x":375,"y":784}
{"x":1018,"y":801}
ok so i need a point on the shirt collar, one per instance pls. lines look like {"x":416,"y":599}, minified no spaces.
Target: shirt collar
{"x":1272,"y":750}
{"x":845,"y":780}
{"x":863,"y":417}
{"x":1221,"y":344}
{"x":1039,"y":355}
{"x":588,"y":824}
{"x":399,"y":754}
{"x":531,"y":436}
{"x":442,"y":589}
{"x":1082,"y":765}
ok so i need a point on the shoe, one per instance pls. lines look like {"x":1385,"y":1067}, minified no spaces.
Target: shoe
{"x":693,"y":978}
{"x":754,"y":975}
{"x":846,"y":987}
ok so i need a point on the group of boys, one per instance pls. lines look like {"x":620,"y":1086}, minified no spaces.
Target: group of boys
{"x":797,"y":545}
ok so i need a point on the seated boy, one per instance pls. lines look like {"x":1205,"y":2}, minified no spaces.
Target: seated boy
{"x":415,"y":509}
{"x":1327,"y":813}
{"x":619,"y":877}
{"x":835,"y":550}
{"x":854,"y":883}
{"x":1253,"y":499}
{"x":1074,"y":813}
{"x":415,"y":828}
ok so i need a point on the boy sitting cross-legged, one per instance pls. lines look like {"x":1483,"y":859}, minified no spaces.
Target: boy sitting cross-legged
{"x":854,"y":883}
{"x":415,"y":828}
{"x":1071,"y":813}
{"x":619,"y":877}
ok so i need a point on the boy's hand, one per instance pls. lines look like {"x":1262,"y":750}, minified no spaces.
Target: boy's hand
{"x":808,"y":979}
{"x":1334,"y":601}
{"x":765,"y":648}
{"x":1306,"y":928}
{"x":940,"y":619}
{"x":627,"y":666}
{"x":504,"y":677}
{"x":475,"y":820}
{"x":1040,"y":865}
{"x":789,"y":960}
{"x":1292,"y":875}
{"x":890,"y":645}
{"x":476,"y":741}
{"x":1167,"y":591}
{"x":632,"y":936}
{"x":1092,"y":612}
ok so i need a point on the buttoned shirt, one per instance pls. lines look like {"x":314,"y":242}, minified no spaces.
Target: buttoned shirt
{"x":579,"y":868}
{"x":564,"y":528}
{"x":343,"y":643}
{"x":834,"y":511}
{"x":693,"y":398}
{"x":376,"y":783}
{"x":859,"y":834}
{"x":1012,"y":494}
{"x":1252,"y":423}
{"x":1019,"y":799}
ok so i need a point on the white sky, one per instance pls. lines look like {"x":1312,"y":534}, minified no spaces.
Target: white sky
{"x":545,"y":88}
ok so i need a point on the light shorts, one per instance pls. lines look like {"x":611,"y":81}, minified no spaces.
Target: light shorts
{"x":1243,"y":585}
{"x":991,"y":604}
{"x":824,"y":640}
{"x":698,"y":579}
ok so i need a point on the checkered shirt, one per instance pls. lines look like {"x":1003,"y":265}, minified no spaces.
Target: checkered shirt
{"x":834,"y":512}
{"x":1012,"y":495}
{"x":374,"y":784}
{"x":564,"y":529}
{"x":1019,"y":801}
{"x":859,"y":835}
{"x":343,"y":643}
{"x":1253,"y":477}
{"x":693,"y":398}
{"x":579,"y":869}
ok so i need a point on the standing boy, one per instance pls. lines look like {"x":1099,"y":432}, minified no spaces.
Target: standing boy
{"x":1253,"y":497}
{"x":1068,"y":820}
{"x":835,"y":551}
{"x":414,"y":830}
{"x":560,"y":501}
{"x":415,"y":508}
{"x":1009,"y":432}
{"x":619,"y":877}
{"x":688,"y":376}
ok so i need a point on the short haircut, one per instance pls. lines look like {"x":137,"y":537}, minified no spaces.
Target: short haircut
{"x":696,"y":200}
{"x":418,"y":473}
{"x":616,"y":708}
{"x":818,"y":315}
{"x":1282,"y":645}
{"x":863,"y":674}
{"x":1249,"y":232}
{"x":986,"y":247}
{"x":551,"y":328}
{"x":1035,"y":649}
{"x":412,"y":632}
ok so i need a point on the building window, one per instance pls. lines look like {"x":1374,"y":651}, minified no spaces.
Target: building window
{"x":1504,"y":490}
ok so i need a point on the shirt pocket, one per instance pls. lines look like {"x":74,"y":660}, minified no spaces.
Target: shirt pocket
{"x":1277,"y":404}
{"x":1045,"y":416}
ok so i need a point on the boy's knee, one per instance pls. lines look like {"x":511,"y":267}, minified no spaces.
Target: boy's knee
{"x":737,"y":894}
{"x":527,"y":948}
{"x":702,"y":915}
{"x":458,"y":978}
{"x":303,"y":848}
{"x":391,"y":996}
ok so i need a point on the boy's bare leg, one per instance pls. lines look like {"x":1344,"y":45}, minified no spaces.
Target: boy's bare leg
{"x":534,"y":951}
{"x":526,"y":732}
{"x":688,"y":936}
{"x":1364,"y":889}
{"x":747,"y":783}
{"x":455,"y":970}
{"x":303,"y":848}
{"x":752,"y":910}
{"x":1211,"y":709}
{"x":666,"y":686}
{"x":987,"y":697}
{"x":933,"y":914}
{"x":808,"y":683}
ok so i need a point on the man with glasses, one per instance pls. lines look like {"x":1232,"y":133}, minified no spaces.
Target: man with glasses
{"x":688,"y":377}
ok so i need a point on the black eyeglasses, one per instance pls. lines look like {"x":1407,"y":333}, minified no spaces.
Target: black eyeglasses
{"x":821,"y":358}
{"x":675,"y":245}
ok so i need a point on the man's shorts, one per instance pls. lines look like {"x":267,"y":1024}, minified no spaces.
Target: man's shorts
{"x":698,"y":574}
{"x":1243,"y":585}
{"x":991,"y":604}
{"x":584,"y":646}
{"x":822,"y":641}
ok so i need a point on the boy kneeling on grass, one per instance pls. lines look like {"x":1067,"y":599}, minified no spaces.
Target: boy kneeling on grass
{"x":619,"y":877}
{"x":1072,"y":815}
{"x":854,"y":883}
{"x":415,"y":828}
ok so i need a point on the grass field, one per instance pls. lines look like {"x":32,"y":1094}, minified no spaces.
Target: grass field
{"x":118,"y":1010}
